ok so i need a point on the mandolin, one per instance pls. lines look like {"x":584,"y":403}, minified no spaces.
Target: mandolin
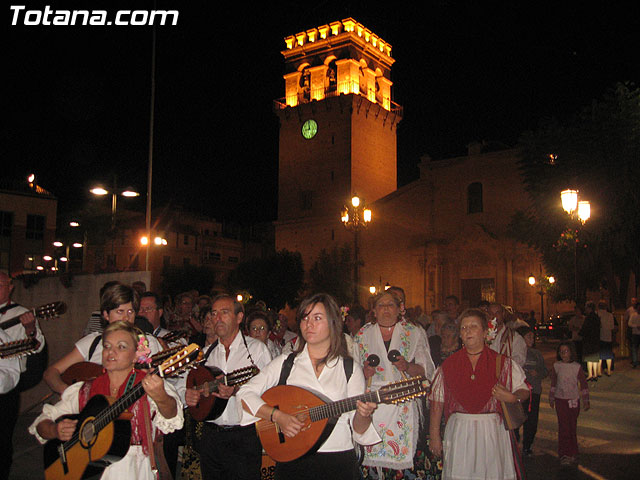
{"x":83,"y":371}
{"x":19,"y":348}
{"x":100,"y":435}
{"x":320,"y":415}
{"x":204,"y":379}
{"x":46,"y":311}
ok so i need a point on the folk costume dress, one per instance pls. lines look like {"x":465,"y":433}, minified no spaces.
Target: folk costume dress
{"x":136,"y":463}
{"x":476,"y":444}
{"x":397,"y":425}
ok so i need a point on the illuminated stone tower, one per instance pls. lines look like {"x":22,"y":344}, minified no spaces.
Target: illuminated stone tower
{"x":337,"y":132}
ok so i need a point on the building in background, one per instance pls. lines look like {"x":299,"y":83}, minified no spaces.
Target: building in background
{"x":27,"y":227}
{"x":445,"y":233}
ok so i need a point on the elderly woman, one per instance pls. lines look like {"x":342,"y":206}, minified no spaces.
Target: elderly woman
{"x":118,"y":303}
{"x":446,"y":343}
{"x":259,"y":326}
{"x":400,"y":349}
{"x":161,"y":404}
{"x":467,"y":389}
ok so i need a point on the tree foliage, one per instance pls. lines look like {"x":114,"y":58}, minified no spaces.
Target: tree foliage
{"x":277,"y":279}
{"x":598,"y":153}
{"x":331,"y":273}
{"x":178,"y":279}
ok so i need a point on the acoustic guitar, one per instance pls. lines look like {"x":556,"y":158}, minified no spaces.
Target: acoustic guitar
{"x":19,"y":348}
{"x":46,"y":311}
{"x":320,"y":415}
{"x":204,"y":379}
{"x":100,"y":435}
{"x":83,"y":371}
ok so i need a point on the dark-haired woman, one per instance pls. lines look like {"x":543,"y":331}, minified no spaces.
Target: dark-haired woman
{"x":318,"y":366}
{"x":161,"y":404}
{"x":468,"y":390}
{"x":118,"y":303}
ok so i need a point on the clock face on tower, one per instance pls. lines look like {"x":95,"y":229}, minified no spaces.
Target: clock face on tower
{"x":309,"y":129}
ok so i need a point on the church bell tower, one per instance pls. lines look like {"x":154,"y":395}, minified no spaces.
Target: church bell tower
{"x":337,"y":132}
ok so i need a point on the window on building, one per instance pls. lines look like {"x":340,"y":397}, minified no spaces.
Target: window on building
{"x":306,"y":200}
{"x":186,"y":239}
{"x":474,"y":198}
{"x":233,"y":259}
{"x":35,"y":227}
{"x":6,"y":223}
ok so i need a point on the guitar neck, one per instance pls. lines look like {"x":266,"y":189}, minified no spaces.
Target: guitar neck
{"x":16,"y":320}
{"x":335,"y":409}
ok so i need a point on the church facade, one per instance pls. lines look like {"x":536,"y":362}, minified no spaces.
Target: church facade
{"x":445,"y":233}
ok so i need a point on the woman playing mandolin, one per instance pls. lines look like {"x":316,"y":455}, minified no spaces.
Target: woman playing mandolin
{"x":318,"y":366}
{"x":123,"y":346}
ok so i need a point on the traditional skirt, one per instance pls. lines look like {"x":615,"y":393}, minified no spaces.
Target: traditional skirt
{"x":477,"y":447}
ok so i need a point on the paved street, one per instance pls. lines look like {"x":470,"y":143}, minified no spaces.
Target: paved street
{"x":608,"y":434}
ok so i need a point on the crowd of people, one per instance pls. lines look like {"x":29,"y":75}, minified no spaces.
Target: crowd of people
{"x":480,"y":362}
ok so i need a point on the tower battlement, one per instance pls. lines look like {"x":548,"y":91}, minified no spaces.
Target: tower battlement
{"x":337,"y":59}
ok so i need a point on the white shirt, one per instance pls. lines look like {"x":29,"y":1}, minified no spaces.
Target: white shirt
{"x":9,"y":368}
{"x":634,"y":322}
{"x":606,"y":325}
{"x":17,"y":332}
{"x":238,"y":358}
{"x":518,"y":350}
{"x":84,"y":345}
{"x":331,"y":383}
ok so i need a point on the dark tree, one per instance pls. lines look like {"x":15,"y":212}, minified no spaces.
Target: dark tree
{"x":277,"y":279}
{"x":332,"y":273}
{"x":598,"y":153}
{"x":177,"y":279}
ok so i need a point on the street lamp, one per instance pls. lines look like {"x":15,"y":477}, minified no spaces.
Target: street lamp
{"x":580,"y":209}
{"x":544,"y":282}
{"x":355,"y":217}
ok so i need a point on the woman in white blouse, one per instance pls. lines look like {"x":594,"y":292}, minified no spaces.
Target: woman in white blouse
{"x":121,"y":348}
{"x":318,"y":366}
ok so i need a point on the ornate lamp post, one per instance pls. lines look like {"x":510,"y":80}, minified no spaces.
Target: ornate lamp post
{"x":580,"y":210}
{"x":355,"y":217}
{"x":544,"y":282}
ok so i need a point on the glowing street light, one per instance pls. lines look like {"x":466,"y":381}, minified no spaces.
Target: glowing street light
{"x":355,"y":217}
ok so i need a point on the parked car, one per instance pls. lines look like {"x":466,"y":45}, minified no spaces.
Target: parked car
{"x":555,"y":327}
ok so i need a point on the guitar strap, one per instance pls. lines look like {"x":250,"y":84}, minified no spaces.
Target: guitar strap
{"x":8,"y":307}
{"x":209,"y":350}
{"x":93,"y":347}
{"x":347,"y":363}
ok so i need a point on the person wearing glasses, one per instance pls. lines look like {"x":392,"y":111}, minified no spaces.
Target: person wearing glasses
{"x":259,"y":326}
{"x":118,"y":303}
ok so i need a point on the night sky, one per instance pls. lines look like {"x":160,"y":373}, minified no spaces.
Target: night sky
{"x":78,"y":97}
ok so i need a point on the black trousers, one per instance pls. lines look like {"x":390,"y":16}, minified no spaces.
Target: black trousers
{"x":530,"y":426}
{"x":9,"y":406}
{"x":320,"y":466}
{"x":230,"y":454}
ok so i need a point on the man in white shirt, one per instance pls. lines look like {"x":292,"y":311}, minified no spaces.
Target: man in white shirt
{"x":229,"y":447}
{"x":507,"y":342}
{"x":10,"y":397}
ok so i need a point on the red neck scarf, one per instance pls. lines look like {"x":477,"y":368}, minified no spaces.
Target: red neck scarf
{"x":472,"y":395}
{"x":101,"y":386}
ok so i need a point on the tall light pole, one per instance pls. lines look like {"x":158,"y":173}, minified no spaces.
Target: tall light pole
{"x":582,"y":211}
{"x":355,"y":217}
{"x":127,"y":192}
{"x":544,"y":282}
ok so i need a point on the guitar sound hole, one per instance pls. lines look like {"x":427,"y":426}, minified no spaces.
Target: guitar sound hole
{"x":88,"y":432}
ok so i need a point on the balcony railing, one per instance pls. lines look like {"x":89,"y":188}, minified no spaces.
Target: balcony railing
{"x":301,"y":98}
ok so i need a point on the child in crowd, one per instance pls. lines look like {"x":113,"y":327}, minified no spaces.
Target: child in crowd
{"x":535,"y":370}
{"x":568,"y":384}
